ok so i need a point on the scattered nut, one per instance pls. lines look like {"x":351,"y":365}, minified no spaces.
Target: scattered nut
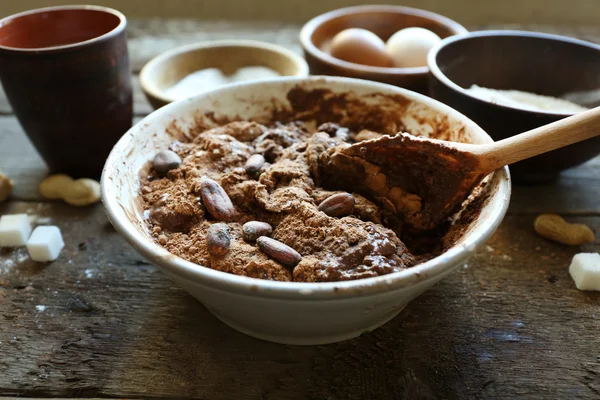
{"x":254,"y":229}
{"x":279,"y":252}
{"x":554,"y":227}
{"x":165,"y":160}
{"x":218,"y":239}
{"x":83,"y":192}
{"x":55,"y":186}
{"x":338,"y":205}
{"x":6,"y":186}
{"x":216,"y":200}
{"x":80,"y":192}
{"x":254,"y":164}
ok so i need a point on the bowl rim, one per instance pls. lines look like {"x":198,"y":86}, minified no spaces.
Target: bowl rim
{"x":304,"y":291}
{"x":308,"y":29}
{"x":148,"y":85}
{"x":435,"y":70}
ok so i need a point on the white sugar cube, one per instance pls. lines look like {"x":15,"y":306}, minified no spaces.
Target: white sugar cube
{"x":585,"y":271}
{"x":14,"y":230}
{"x":45,"y":243}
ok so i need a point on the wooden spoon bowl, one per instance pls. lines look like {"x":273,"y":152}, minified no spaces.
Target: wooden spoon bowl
{"x":427,"y":180}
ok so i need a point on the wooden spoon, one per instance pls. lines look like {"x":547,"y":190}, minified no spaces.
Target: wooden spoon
{"x":427,"y":180}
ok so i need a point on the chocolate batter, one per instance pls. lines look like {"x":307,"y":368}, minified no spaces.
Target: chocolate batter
{"x":296,"y":176}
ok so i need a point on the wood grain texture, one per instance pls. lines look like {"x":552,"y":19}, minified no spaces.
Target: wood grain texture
{"x":464,"y":11}
{"x":20,"y":161}
{"x":100,"y":321}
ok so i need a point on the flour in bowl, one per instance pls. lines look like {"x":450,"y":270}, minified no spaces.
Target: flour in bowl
{"x":208,"y":79}
{"x":525,"y":100}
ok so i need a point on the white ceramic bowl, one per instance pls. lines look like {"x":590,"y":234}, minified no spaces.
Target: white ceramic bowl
{"x":289,"y":312}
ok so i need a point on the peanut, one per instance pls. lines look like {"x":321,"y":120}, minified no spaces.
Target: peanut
{"x":6,"y":186}
{"x":80,"y":192}
{"x":555,"y":228}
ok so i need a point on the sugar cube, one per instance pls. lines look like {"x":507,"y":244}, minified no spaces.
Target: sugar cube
{"x":14,"y":230}
{"x":45,"y":243}
{"x":585,"y":271}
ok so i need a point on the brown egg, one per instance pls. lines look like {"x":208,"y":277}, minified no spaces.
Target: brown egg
{"x":360,"y":46}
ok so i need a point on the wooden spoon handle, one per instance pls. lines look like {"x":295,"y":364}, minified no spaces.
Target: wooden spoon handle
{"x":540,"y":140}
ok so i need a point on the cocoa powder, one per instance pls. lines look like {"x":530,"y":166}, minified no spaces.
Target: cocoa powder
{"x":286,"y":190}
{"x":284,"y":194}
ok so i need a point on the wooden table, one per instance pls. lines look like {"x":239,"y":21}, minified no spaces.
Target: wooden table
{"x":101,"y":322}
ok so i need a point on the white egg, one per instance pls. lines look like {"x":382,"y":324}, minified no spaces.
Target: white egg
{"x":409,"y":47}
{"x":360,"y":46}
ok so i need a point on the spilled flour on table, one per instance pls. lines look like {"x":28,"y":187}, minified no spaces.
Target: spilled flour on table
{"x":12,"y":259}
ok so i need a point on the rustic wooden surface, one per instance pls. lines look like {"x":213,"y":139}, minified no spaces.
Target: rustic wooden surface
{"x":464,"y":11}
{"x":101,"y":322}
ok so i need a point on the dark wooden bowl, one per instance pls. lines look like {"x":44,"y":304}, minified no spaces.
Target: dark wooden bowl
{"x":532,"y":62}
{"x":384,"y":21}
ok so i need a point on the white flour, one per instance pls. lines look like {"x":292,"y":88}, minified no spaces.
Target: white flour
{"x":14,"y":258}
{"x":525,"y":100}
{"x":211,"y":78}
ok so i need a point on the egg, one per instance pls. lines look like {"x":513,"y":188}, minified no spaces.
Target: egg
{"x":360,"y":46}
{"x":409,"y":47}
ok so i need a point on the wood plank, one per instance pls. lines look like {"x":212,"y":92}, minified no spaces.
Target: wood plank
{"x":466,"y":11}
{"x":150,"y":37}
{"x":576,"y":192}
{"x":5,"y":108}
{"x":20,"y":161}
{"x":101,"y":322}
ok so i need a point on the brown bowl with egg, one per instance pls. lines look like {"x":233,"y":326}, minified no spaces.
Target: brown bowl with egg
{"x":382,"y":21}
{"x":192,"y":69}
{"x":495,"y":77}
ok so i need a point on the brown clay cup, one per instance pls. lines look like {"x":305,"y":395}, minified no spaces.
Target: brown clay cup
{"x":65,"y":71}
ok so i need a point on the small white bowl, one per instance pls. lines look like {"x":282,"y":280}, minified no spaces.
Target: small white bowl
{"x":289,"y":312}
